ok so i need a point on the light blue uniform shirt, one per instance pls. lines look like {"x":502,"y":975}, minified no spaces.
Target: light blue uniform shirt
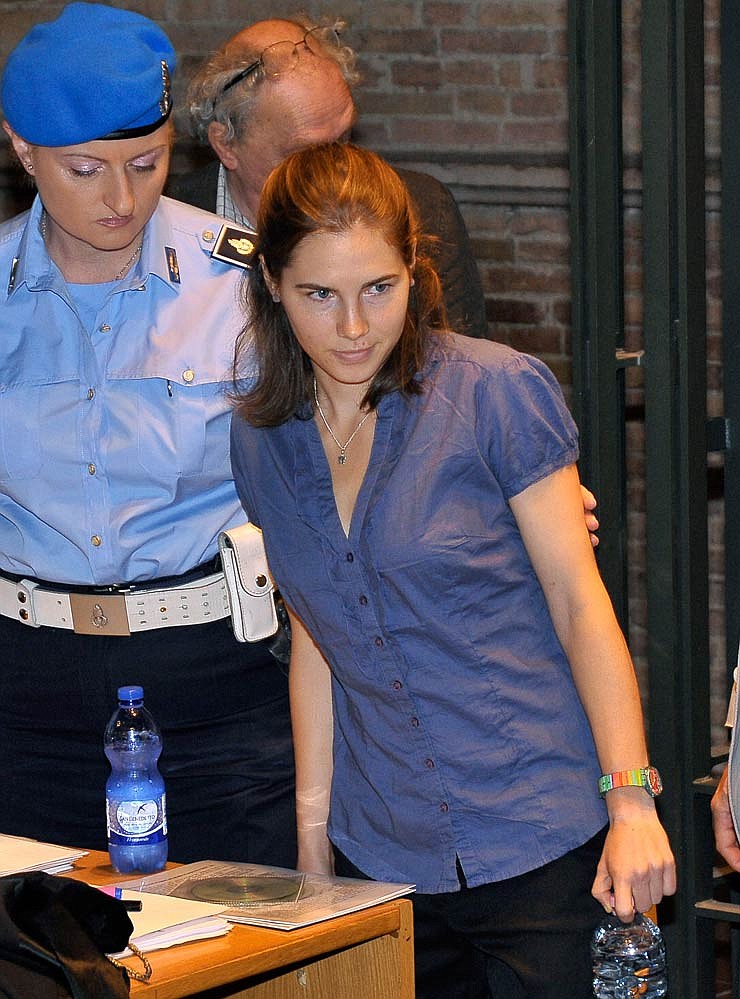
{"x":458,"y":731}
{"x":114,"y":431}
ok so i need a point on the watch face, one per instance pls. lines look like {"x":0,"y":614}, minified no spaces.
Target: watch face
{"x":655,"y":784}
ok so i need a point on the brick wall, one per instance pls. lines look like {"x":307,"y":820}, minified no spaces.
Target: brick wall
{"x":476,"y":93}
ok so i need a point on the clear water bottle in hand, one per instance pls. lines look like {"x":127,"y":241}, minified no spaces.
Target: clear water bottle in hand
{"x":628,"y":959}
{"x":135,"y":796}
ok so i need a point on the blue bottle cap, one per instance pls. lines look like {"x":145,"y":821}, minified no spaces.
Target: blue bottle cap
{"x":131,"y":693}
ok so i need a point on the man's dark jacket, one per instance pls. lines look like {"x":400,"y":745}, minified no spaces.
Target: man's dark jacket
{"x":440,"y":217}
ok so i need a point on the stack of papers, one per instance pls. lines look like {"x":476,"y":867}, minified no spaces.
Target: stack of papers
{"x":274,"y":897}
{"x":164,"y":921}
{"x":18,"y":854}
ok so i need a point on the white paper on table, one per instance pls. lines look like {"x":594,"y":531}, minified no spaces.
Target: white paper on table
{"x":165,"y":921}
{"x":18,"y":854}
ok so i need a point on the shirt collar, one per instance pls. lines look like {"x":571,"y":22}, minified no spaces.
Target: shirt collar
{"x":225,"y":206}
{"x":158,"y":235}
{"x":36,"y":269}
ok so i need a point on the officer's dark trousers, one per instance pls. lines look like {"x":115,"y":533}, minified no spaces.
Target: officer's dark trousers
{"x":223,"y":709}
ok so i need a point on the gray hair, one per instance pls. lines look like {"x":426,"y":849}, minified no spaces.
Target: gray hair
{"x":206,"y":102}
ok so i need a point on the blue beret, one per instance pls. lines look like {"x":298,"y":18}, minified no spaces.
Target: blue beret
{"x":96,"y":72}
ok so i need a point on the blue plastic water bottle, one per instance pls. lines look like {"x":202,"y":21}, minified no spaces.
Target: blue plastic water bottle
{"x":629,"y":959}
{"x":134,"y":793}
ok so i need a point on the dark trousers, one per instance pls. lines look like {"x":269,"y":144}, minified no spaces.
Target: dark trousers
{"x":526,"y":937}
{"x":227,"y":757}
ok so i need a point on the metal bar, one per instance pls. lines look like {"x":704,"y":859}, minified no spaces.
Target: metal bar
{"x":675,"y":406}
{"x":730,"y":247}
{"x":630,"y":358}
{"x":597,"y":307}
{"x":725,"y":912}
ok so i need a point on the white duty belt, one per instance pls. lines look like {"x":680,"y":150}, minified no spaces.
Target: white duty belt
{"x":124,"y":612}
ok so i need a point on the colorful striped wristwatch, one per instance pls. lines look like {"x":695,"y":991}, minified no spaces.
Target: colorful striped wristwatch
{"x":647,"y":777}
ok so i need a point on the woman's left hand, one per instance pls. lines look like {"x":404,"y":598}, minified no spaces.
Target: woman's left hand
{"x":636,"y":868}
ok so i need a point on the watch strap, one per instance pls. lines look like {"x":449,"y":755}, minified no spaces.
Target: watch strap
{"x":639,"y":777}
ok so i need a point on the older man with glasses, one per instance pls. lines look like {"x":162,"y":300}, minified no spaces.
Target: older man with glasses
{"x":281,"y":85}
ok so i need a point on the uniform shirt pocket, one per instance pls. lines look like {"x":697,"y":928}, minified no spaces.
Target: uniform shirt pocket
{"x":20,"y":432}
{"x":183,"y":430}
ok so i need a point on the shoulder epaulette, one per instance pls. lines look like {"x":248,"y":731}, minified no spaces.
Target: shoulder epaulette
{"x":236,"y":245}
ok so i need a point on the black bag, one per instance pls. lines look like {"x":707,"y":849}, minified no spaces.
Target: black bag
{"x":54,"y":935}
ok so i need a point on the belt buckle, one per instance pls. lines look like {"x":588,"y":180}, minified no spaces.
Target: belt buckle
{"x":99,"y":614}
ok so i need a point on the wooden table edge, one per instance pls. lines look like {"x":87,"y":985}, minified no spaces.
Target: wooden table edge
{"x":248,"y":951}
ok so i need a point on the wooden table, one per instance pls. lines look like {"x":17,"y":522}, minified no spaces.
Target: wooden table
{"x":366,"y":955}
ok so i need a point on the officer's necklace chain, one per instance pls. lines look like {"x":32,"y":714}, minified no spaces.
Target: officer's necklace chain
{"x":123,"y":271}
{"x":342,"y":447}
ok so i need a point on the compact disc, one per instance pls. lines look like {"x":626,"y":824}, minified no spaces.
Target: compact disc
{"x":242,"y":890}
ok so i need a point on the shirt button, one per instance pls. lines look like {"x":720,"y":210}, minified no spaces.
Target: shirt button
{"x":188,"y":375}
{"x":105,"y":328}
{"x":96,"y":540}
{"x":429,"y":764}
{"x":91,"y":393}
{"x":397,"y":685}
{"x":350,"y":557}
{"x":91,"y":469}
{"x":444,"y":807}
{"x":379,"y":643}
{"x":414,"y":723}
{"x":363,"y":601}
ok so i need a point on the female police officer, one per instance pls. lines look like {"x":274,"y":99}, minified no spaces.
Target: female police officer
{"x":116,"y":336}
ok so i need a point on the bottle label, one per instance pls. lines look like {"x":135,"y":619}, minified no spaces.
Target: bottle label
{"x":137,"y":822}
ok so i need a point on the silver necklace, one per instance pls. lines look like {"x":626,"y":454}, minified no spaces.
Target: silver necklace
{"x":342,"y":447}
{"x":123,"y":270}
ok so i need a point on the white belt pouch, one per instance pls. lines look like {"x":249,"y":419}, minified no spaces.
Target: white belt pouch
{"x":249,"y":586}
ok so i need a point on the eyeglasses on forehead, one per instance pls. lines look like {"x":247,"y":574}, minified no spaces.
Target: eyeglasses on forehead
{"x":281,"y":57}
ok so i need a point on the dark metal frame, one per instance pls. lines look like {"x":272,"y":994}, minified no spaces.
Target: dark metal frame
{"x":675,"y":402}
{"x":730,"y":167}
{"x":674,"y":312}
{"x":730,"y":253}
{"x":597,"y":304}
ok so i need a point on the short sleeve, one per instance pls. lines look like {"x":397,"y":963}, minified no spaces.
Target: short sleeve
{"x":527,"y":430}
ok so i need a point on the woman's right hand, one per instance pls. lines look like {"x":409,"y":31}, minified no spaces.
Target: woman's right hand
{"x":311,"y":716}
{"x":315,"y":853}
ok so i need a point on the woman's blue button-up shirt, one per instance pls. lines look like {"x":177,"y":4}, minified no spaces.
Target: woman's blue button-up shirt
{"x":458,"y":730}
